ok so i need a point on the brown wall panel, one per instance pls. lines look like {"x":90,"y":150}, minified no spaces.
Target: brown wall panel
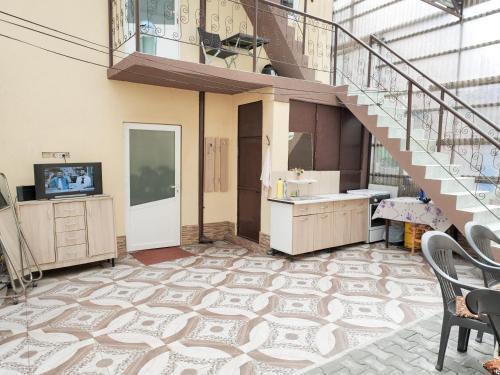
{"x":302,"y":117}
{"x":327,"y":150}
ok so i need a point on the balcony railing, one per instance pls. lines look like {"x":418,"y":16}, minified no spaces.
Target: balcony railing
{"x":304,"y":46}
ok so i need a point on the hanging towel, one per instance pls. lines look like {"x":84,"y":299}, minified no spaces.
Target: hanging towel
{"x":265,"y":177}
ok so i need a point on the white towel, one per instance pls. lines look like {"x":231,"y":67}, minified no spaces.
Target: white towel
{"x":265,"y":177}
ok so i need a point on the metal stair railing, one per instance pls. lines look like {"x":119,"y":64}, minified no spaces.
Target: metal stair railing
{"x":475,"y":148}
{"x":443,"y":91}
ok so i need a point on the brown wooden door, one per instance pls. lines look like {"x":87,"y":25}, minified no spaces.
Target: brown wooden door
{"x":249,"y":169}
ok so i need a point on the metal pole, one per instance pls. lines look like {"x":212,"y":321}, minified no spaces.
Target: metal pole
{"x":201,"y":167}
{"x":440,"y":124}
{"x":304,"y":25}
{"x":137,"y":12}
{"x":256,"y":4}
{"x":335,"y":44}
{"x":203,"y":26}
{"x":369,"y":63}
{"x":110,"y":32}
{"x":408,"y":116}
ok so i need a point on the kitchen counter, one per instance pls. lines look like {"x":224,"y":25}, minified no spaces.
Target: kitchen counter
{"x":318,"y":222}
{"x":319,"y":199}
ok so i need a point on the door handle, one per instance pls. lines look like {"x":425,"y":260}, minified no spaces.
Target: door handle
{"x":176,"y":187}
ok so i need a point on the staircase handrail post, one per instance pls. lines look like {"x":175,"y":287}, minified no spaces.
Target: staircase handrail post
{"x":254,"y":55}
{"x":110,"y":33}
{"x":408,"y":116}
{"x":440,"y":124}
{"x":435,"y":83}
{"x":137,"y":11}
{"x":369,"y":63}
{"x":304,"y":29}
{"x":335,"y":47}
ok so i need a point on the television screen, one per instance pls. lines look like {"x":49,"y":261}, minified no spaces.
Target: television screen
{"x":54,"y":180}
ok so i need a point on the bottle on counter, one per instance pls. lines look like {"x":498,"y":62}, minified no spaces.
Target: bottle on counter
{"x":285,"y":189}
{"x":280,"y":189}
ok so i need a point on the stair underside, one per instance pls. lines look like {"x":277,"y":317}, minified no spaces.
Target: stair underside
{"x":455,"y":195}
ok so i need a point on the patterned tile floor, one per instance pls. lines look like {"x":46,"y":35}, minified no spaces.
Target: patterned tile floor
{"x":225,"y":310}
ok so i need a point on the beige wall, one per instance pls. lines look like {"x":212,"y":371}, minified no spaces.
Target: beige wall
{"x":51,"y":103}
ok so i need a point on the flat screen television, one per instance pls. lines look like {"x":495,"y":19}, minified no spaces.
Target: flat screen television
{"x":75,"y":179}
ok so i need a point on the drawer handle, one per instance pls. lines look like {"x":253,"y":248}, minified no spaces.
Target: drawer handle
{"x":323,"y":207}
{"x":324,"y":216}
{"x":304,"y":219}
{"x":303,"y":209}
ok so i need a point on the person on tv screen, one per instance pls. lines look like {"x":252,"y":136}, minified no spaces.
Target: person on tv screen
{"x":83,"y":181}
{"x":58,"y":181}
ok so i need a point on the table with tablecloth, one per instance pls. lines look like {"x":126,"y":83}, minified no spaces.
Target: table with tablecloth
{"x":411,"y":210}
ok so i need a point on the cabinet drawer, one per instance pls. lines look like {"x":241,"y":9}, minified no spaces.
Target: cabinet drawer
{"x":76,"y":237}
{"x":350,"y":204}
{"x":69,"y":209}
{"x":322,"y":208}
{"x":303,"y":209}
{"x":71,"y":252}
{"x":66,"y":224}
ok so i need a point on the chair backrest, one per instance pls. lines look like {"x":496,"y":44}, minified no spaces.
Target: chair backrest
{"x":438,"y":249}
{"x":480,"y":238}
{"x":209,"y":39}
{"x":486,"y":302}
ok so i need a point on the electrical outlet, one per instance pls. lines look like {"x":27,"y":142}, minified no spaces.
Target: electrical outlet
{"x":55,"y":155}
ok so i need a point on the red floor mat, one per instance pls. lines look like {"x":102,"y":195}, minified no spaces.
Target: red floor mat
{"x":164,"y":254}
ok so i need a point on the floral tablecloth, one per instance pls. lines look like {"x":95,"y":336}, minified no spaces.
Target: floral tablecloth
{"x":412,"y":210}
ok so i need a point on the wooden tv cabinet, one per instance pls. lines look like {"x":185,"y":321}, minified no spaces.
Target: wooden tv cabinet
{"x":68,"y":232}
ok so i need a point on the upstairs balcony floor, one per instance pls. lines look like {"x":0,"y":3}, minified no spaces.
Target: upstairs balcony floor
{"x":161,"y":71}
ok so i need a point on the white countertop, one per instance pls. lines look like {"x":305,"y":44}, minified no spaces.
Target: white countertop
{"x":321,"y":199}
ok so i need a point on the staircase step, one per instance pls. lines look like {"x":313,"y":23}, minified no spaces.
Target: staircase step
{"x":484,"y":215}
{"x":401,"y":133}
{"x":456,"y":184}
{"x":421,"y":157}
{"x":468,"y":200}
{"x":396,"y":113}
{"x":495,"y":227}
{"x":437,"y":170}
{"x":417,"y":144}
{"x":386,"y":121}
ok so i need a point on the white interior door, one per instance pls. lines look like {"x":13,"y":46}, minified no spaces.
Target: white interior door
{"x":153,"y":201}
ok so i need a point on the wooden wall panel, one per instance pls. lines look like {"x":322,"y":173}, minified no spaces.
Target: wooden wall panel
{"x":209,"y":164}
{"x":224,"y":164}
{"x":216,"y":165}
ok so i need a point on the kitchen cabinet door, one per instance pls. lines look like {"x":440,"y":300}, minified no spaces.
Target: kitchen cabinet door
{"x":323,"y":231}
{"x":37,"y":222}
{"x":341,"y":227}
{"x":303,"y":234}
{"x":100,"y":226}
{"x":359,"y":224}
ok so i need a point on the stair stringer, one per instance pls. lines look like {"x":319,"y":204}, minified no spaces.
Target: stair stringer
{"x":446,"y":202}
{"x":289,"y":62}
